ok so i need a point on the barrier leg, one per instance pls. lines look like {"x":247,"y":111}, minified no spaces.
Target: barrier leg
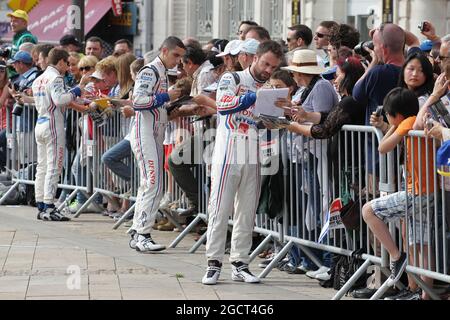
{"x":361,"y":270}
{"x":311,"y":255}
{"x":275,"y":260}
{"x":198,"y":243}
{"x":125,"y":216}
{"x":170,"y":217}
{"x":185,"y":232}
{"x":68,"y":200}
{"x":86,"y":204}
{"x":425,"y":287}
{"x":260,"y":248}
{"x":6,"y":195}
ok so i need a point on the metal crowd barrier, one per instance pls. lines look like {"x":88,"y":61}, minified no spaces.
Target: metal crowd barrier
{"x":22,"y":153}
{"x":314,"y":173}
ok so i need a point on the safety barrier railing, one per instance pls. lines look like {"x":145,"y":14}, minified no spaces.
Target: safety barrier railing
{"x":22,"y":153}
{"x":314,"y":173}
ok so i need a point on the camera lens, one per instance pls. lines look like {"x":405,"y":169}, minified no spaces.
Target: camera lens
{"x":17,"y":110}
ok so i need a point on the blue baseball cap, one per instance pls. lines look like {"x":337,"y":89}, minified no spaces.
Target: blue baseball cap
{"x":21,"y":56}
{"x":443,"y":158}
{"x":330,"y":73}
{"x":426,"y":45}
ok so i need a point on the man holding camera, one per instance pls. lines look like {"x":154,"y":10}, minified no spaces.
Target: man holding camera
{"x":26,"y":74}
{"x":19,"y":25}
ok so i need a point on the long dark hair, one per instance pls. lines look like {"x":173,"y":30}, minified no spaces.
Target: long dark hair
{"x":427,"y":69}
{"x":353,"y":69}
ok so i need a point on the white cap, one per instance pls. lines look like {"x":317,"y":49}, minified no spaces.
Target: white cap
{"x":232,"y":48}
{"x":96,"y":75}
{"x":249,"y":46}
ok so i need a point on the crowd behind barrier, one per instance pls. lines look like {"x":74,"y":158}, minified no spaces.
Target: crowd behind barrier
{"x":343,"y":192}
{"x":295,"y":227}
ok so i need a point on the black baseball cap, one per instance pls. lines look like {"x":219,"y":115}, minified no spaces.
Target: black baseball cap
{"x":69,"y":39}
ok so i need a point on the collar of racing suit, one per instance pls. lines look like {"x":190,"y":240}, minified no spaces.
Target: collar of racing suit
{"x":254,"y":78}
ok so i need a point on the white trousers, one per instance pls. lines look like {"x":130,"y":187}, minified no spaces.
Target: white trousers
{"x":234,"y":187}
{"x":146,"y":139}
{"x":50,"y":140}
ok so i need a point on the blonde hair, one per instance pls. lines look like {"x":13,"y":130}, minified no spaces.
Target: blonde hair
{"x":88,"y":61}
{"x":123,"y":64}
{"x":76,"y":55}
{"x":107,"y":65}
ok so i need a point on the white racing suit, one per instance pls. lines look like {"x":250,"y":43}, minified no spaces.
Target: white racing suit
{"x":50,"y":96}
{"x":235,"y":176}
{"x":146,"y":138}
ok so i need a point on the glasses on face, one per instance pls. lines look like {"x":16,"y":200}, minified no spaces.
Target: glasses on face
{"x":321,"y":35}
{"x":87,"y":68}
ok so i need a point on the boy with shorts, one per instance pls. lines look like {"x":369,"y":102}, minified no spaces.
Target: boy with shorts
{"x":401,"y":107}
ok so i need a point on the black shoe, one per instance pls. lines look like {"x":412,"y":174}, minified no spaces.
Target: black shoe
{"x":397,"y":268}
{"x":363,"y":293}
{"x":56,"y":215}
{"x":406,"y":294}
{"x":191,"y":211}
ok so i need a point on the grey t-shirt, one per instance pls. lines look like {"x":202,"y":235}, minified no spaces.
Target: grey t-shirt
{"x":322,"y":98}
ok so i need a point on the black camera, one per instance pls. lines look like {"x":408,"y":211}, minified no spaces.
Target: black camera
{"x":423,"y":26}
{"x":379,"y":111}
{"x":5,"y":52}
{"x":17,"y":110}
{"x":360,"y":48}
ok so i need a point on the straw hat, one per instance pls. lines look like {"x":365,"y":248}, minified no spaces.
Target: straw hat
{"x":305,"y":61}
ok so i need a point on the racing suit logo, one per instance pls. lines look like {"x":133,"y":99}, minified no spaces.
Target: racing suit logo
{"x":151,"y":165}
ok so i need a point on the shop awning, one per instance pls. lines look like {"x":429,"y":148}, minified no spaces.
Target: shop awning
{"x":48,"y":19}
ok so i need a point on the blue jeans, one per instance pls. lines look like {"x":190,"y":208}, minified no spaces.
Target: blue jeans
{"x":80,"y":173}
{"x":113,"y":159}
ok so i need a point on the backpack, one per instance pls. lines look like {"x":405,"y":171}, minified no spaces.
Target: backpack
{"x":345,"y":268}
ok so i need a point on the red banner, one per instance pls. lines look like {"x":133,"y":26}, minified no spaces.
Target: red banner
{"x":117,"y":7}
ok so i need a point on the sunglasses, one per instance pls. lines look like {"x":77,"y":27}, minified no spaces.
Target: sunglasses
{"x":321,"y":35}
{"x":87,"y":68}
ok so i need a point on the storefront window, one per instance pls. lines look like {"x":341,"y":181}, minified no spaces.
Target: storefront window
{"x":204,"y":15}
{"x":276,"y":11}
{"x":240,"y":10}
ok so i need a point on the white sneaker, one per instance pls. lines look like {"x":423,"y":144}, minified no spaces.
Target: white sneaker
{"x":240,"y":272}
{"x":146,"y":244}
{"x":323,"y":276}
{"x":212,"y":272}
{"x":313,"y":274}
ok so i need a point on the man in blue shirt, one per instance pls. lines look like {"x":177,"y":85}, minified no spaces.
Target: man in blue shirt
{"x":383,"y":73}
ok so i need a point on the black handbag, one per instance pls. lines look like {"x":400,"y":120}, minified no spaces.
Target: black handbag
{"x":351,"y":212}
{"x":350,"y":215}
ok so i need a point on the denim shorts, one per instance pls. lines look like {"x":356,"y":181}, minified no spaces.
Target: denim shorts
{"x":393,"y":207}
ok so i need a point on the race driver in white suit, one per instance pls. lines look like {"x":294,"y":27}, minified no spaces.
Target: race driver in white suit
{"x":235,"y":169}
{"x":51,"y":98}
{"x":149,"y":100}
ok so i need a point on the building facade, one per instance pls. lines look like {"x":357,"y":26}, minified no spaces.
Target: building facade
{"x":207,"y":19}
